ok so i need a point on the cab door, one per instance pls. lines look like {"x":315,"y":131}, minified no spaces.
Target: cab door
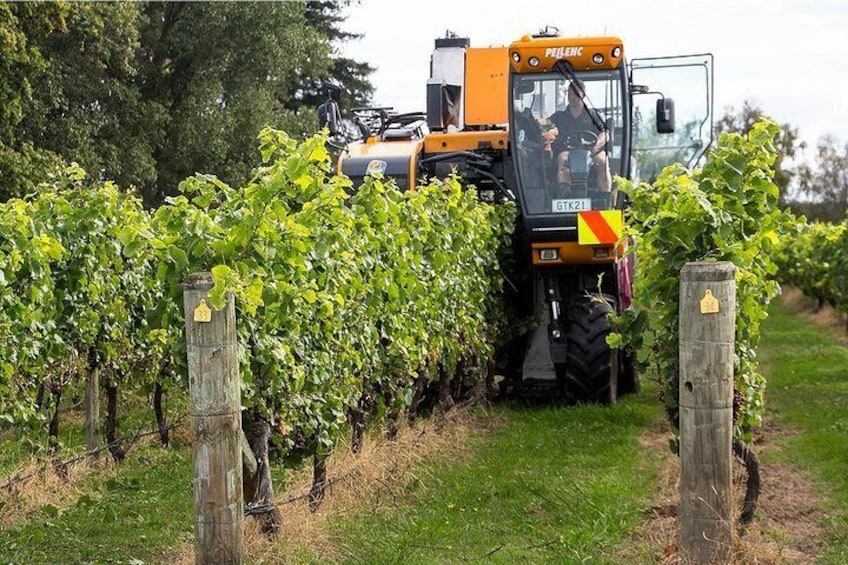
{"x":687,"y":80}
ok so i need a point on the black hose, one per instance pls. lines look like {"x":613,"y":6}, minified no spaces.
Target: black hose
{"x":752,"y":487}
{"x":495,"y":180}
{"x":467,"y":154}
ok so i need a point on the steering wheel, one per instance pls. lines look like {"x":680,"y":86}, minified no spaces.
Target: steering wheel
{"x":580,"y":138}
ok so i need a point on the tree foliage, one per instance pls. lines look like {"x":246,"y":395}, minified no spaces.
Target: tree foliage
{"x":86,"y":105}
{"x":826,"y":183}
{"x":325,"y":16}
{"x":816,"y":190}
{"x":22,"y":165}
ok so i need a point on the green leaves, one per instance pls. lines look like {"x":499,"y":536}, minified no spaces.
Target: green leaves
{"x":814,"y":258}
{"x":726,"y":211}
{"x":151,"y":92}
{"x":338,"y":294}
{"x":80,"y":277}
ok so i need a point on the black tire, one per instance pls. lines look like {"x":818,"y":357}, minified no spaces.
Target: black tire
{"x":592,"y":370}
{"x":628,"y":377}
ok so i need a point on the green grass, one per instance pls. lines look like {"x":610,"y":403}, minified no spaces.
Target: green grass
{"x":568,"y":484}
{"x":807,"y":371}
{"x":144,"y":508}
{"x":554,"y":484}
{"x":20,"y":443}
{"x":548,"y":484}
{"x":129,"y":513}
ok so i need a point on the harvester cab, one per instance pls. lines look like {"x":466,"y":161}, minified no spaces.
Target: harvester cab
{"x":576,"y":122}
{"x":550,"y":122}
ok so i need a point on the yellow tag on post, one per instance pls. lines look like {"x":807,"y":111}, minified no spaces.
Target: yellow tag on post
{"x":709,"y":303}
{"x":202,"y":313}
{"x":600,"y":227}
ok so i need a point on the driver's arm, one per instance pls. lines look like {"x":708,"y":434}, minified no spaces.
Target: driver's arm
{"x":599,"y":145}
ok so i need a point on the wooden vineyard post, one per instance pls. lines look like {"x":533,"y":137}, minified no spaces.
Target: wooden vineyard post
{"x":214,"y":410}
{"x":707,"y":334}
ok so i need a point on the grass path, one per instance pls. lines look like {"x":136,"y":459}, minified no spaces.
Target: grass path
{"x":129,"y":515}
{"x":807,"y":368}
{"x":572,"y":484}
{"x":551,"y":484}
{"x":526,"y":483}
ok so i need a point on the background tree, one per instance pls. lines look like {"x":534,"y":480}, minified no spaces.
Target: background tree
{"x":86,"y":105}
{"x":786,"y":143}
{"x":326,"y":16}
{"x":826,"y":184}
{"x":147,"y":94}
{"x":22,"y":166}
{"x":820,"y":191}
{"x":655,"y":151}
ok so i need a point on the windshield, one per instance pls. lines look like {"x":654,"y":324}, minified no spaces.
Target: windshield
{"x":567,"y":138}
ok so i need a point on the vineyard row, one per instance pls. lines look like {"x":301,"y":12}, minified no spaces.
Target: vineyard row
{"x":346,"y":302}
{"x":814,"y":258}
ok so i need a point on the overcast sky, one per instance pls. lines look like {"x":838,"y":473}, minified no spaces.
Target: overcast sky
{"x":789,"y":57}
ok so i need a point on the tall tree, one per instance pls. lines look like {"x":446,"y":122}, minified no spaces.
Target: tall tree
{"x":327,"y":17}
{"x":787,"y":142}
{"x":826,"y":184}
{"x":149,"y":93}
{"x":224,"y":70}
{"x":22,"y":166}
{"x":86,"y":103}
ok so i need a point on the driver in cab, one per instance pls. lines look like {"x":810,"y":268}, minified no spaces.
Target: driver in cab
{"x":575,"y":122}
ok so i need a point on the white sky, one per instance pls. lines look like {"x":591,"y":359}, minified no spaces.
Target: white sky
{"x":789,"y":57}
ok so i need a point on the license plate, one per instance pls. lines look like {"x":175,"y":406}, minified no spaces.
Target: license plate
{"x":572,"y":205}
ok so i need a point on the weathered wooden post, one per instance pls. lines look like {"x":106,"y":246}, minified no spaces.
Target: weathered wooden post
{"x":214,"y":409}
{"x":707,"y":334}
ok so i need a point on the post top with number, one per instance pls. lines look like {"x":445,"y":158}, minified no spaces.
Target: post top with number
{"x":201,"y":281}
{"x":708,"y":271}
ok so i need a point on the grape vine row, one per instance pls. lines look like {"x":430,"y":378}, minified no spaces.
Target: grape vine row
{"x":342,"y":295}
{"x":726,"y":211}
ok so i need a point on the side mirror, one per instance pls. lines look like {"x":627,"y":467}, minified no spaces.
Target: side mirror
{"x":665,"y":115}
{"x":328,"y":117}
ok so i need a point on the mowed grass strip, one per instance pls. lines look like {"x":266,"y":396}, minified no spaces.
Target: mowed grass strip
{"x":544,"y":483}
{"x":553,"y":484}
{"x":131,"y":514}
{"x":807,"y":370}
